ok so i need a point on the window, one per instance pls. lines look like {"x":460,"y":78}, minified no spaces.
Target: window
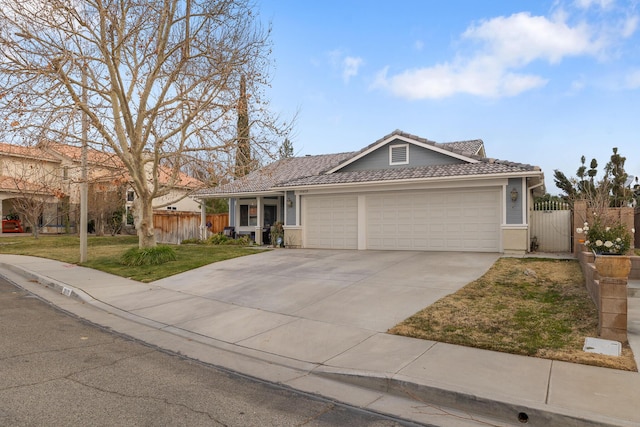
{"x":248,"y":215}
{"x":399,"y":154}
{"x":129,"y":219}
{"x":130,"y":195}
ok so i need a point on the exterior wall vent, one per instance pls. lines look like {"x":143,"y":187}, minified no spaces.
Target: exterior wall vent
{"x":399,"y":154}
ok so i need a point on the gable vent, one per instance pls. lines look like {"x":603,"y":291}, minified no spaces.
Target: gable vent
{"x":399,"y":154}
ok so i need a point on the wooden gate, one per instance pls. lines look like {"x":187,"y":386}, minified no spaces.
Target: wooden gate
{"x":551,"y":226}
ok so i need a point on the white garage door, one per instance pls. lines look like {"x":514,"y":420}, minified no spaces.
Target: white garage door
{"x":331,"y":222}
{"x":453,"y":220}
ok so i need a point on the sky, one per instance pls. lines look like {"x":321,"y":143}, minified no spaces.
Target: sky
{"x":541,"y":82}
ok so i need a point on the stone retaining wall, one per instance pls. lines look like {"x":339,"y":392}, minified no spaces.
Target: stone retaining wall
{"x":609,"y":295}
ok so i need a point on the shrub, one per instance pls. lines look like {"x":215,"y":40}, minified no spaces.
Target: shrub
{"x":221,"y":239}
{"x":606,"y":239}
{"x":148,"y":256}
{"x":218,"y":239}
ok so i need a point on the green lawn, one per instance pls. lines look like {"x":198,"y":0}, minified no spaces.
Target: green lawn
{"x":104,"y":253}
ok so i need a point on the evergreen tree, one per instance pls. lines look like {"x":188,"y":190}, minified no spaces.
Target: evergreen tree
{"x":617,"y":179}
{"x":286,"y":149}
{"x":243,"y":148}
{"x":609,"y":191}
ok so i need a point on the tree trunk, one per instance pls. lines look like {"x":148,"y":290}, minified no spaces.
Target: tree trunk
{"x":34,"y":226}
{"x":144,"y":223}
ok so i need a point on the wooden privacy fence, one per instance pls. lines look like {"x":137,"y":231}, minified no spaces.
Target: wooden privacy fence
{"x":174,"y":227}
{"x":551,"y":226}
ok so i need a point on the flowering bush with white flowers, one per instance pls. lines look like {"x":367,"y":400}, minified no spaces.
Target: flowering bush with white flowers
{"x":603,"y":239}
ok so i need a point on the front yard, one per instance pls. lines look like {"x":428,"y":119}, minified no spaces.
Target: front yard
{"x":104,"y":254}
{"x":532,"y":307}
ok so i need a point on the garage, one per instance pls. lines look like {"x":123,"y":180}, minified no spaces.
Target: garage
{"x":451,"y":220}
{"x":331,"y":222}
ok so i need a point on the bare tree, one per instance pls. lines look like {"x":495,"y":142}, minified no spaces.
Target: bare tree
{"x":163,"y":82}
{"x":106,"y":206}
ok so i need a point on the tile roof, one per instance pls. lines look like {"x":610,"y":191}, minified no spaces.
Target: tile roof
{"x":112,"y":161}
{"x":74,"y":153}
{"x":52,"y":151}
{"x":184,"y":180}
{"x":22,"y":151}
{"x":487,"y":167}
{"x":311,"y":170}
{"x":279,"y":172}
{"x":469,"y":148}
{"x":18,"y":185}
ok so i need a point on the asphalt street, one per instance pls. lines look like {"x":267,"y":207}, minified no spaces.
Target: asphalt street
{"x":57,"y":370}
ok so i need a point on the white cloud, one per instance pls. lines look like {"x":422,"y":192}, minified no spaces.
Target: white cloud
{"x":350,"y":67}
{"x":504,"y":45}
{"x":587,"y":4}
{"x":446,"y":80}
{"x":521,"y":38}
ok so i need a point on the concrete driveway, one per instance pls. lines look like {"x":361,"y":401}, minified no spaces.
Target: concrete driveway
{"x":264,"y":300}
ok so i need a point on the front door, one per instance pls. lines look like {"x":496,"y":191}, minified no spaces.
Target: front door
{"x":270,"y":215}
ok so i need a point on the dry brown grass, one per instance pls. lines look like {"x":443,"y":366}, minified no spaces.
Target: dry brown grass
{"x":533,"y":307}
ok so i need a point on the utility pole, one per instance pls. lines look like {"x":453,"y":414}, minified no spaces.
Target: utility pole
{"x":84,"y":186}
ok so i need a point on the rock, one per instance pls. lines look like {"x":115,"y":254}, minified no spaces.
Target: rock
{"x":530,"y":272}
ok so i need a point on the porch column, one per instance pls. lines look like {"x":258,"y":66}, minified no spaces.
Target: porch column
{"x":297,"y":209}
{"x":282,"y":201}
{"x":1,"y":214}
{"x":260,"y":220}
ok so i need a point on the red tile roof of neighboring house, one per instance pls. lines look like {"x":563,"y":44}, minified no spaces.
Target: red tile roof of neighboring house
{"x":74,"y":153}
{"x":112,"y":161}
{"x":28,"y":152}
{"x":16,"y":185}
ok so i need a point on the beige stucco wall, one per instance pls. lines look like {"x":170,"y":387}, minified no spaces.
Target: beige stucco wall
{"x":292,"y":237}
{"x":176,"y":199}
{"x":514,"y":240}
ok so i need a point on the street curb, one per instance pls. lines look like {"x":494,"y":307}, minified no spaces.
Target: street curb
{"x":511,"y":413}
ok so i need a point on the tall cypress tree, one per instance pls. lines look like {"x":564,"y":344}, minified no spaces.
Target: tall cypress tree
{"x":243,"y":146}
{"x":286,"y":149}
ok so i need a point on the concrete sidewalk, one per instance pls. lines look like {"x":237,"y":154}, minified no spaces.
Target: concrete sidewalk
{"x":329,"y":339}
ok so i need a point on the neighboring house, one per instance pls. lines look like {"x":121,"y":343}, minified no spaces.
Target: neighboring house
{"x":53,"y":172}
{"x":401,"y":192}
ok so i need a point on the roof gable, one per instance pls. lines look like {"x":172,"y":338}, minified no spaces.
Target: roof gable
{"x":421,"y":152}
